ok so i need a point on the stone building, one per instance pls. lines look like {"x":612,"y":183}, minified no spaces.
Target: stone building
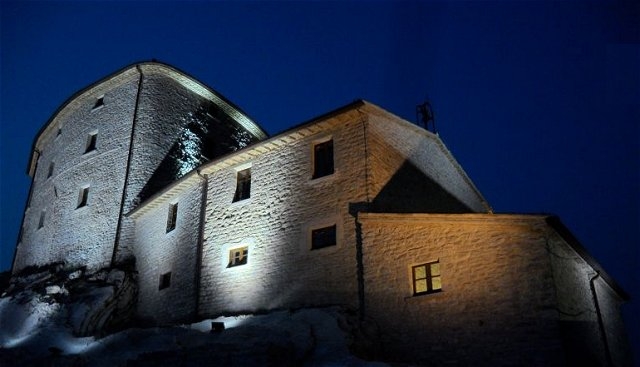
{"x":356,"y":207}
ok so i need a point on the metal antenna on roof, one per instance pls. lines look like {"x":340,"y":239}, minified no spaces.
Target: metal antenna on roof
{"x":425,"y":117}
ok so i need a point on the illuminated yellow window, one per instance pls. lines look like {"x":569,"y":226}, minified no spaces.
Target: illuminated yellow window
{"x":238,"y":256}
{"x":427,"y":278}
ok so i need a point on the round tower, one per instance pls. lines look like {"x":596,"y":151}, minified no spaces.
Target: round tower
{"x":110,"y":147}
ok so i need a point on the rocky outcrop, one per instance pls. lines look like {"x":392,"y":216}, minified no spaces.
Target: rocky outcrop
{"x":90,"y":303}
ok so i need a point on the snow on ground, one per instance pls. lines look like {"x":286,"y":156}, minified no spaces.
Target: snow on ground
{"x":42,"y":314}
{"x":309,"y":337}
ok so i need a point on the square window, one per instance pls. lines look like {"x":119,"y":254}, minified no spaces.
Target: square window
{"x":83,"y":197}
{"x":243,"y":185}
{"x":172,"y":217}
{"x":238,"y":256}
{"x":323,"y":159}
{"x":165,"y":281}
{"x":91,"y":142}
{"x":99,"y":102}
{"x":50,"y":173}
{"x":41,"y":221}
{"x":323,"y":237}
{"x":426,"y":278}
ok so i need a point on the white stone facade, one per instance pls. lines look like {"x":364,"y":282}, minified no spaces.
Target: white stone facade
{"x":107,"y":142}
{"x":349,"y":209}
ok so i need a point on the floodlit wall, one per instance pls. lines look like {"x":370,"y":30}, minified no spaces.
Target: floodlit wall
{"x":497,"y":304}
{"x":58,"y":225}
{"x":275,"y":225}
{"x":609,"y":303}
{"x":589,"y":310}
{"x":176,"y":131}
{"x":164,"y":246}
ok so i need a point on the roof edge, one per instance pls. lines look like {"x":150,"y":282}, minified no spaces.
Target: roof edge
{"x":554,"y":222}
{"x":231,"y":108}
{"x":284,"y":135}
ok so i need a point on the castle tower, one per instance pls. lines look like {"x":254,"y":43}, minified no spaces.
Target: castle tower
{"x":111,"y":146}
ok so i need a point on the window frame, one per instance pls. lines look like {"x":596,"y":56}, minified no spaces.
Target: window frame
{"x":319,"y":231}
{"x":51,"y":168}
{"x":320,"y":166}
{"x":242,"y":259}
{"x":243,"y":184}
{"x":164,"y":281}
{"x":92,"y":142}
{"x":99,"y":103}
{"x":43,"y":213}
{"x":83,"y":197}
{"x":428,"y":278}
{"x":172,"y":217}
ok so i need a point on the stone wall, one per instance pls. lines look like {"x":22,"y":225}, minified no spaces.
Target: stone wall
{"x":161,"y":251}
{"x":412,"y":171}
{"x":275,"y":224}
{"x":497,"y":305}
{"x":286,"y":204}
{"x":583,"y":298}
{"x":169,"y":142}
{"x":79,"y":235}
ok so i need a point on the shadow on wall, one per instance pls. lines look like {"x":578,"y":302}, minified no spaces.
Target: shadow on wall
{"x":208,"y":133}
{"x":411,"y":191}
{"x":574,"y":337}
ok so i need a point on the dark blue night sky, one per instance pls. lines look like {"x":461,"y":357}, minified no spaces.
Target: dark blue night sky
{"x":538,"y":101}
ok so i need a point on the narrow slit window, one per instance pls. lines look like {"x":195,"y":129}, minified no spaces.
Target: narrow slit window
{"x":238,"y":256}
{"x":165,"y":281}
{"x":41,"y":221}
{"x":243,"y":185}
{"x":91,"y":142}
{"x":323,"y":159}
{"x":59,"y":132}
{"x":50,"y":172}
{"x":323,"y":237}
{"x":172,"y":217}
{"x":426,"y":278}
{"x":99,"y":102}
{"x":83,"y":197}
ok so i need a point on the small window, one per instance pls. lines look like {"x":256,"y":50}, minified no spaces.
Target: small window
{"x":243,"y":185}
{"x":323,"y":237}
{"x":165,"y":281}
{"x":99,"y":103}
{"x":426,"y":278}
{"x":51,"y":166}
{"x":83,"y":197}
{"x":59,"y":132}
{"x":238,"y":256}
{"x":91,"y":142}
{"x":172,"y":217}
{"x":323,"y":159}
{"x":41,"y":221}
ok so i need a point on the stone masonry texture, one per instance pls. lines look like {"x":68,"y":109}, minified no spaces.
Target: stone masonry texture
{"x":516,"y":289}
